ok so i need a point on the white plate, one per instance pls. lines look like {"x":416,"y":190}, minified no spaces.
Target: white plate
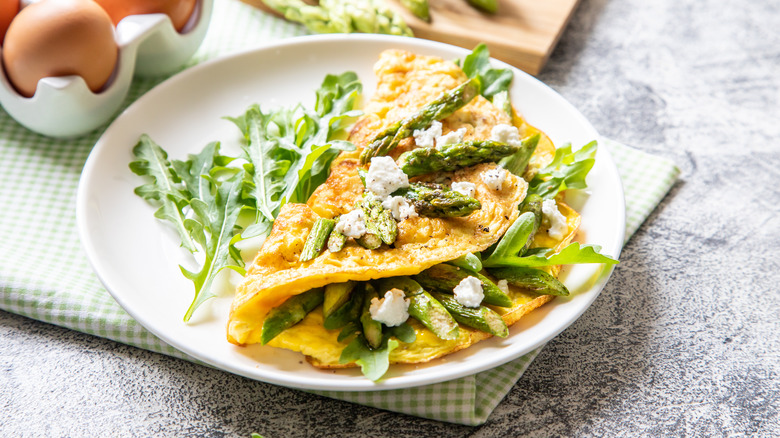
{"x":136,"y":256}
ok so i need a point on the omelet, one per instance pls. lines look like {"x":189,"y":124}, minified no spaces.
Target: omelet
{"x":406,"y":82}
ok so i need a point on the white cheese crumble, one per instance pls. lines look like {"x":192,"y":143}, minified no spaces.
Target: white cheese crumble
{"x":452,"y":137}
{"x":503,"y":285}
{"x":384,"y":177}
{"x":464,"y":188}
{"x":494,"y":178}
{"x":506,"y":134}
{"x":392,"y":310}
{"x":558,"y":225}
{"x":352,"y":224}
{"x":426,"y":138}
{"x":469,"y":292}
{"x":399,"y":207}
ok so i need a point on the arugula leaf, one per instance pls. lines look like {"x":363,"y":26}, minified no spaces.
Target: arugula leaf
{"x":574,"y":253}
{"x":494,"y":80}
{"x":566,"y":171}
{"x":373,"y":363}
{"x":289,"y":151}
{"x":164,"y":189}
{"x":218,"y":220}
{"x":517,"y":162}
{"x":469,"y":261}
{"x":512,"y":242}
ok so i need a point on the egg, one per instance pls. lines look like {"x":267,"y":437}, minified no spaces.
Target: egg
{"x":8,"y":10}
{"x":54,"y":38}
{"x":178,"y":10}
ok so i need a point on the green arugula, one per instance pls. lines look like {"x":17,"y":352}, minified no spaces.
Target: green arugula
{"x":213,"y":229}
{"x":289,"y":151}
{"x":495,"y":81}
{"x":566,"y":171}
{"x":287,"y":154}
{"x":373,"y":362}
{"x":164,"y":189}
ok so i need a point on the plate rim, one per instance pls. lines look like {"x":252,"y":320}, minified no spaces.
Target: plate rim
{"x":355,"y":385}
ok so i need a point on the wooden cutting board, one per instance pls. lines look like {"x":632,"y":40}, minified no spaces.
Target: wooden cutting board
{"x":522,"y":33}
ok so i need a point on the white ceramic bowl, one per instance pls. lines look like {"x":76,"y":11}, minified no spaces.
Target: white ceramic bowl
{"x":148,"y":45}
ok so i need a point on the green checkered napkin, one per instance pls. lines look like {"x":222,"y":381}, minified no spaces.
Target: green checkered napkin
{"x":44,"y":273}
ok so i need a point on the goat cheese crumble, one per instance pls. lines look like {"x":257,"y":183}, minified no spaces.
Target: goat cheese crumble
{"x":452,"y":137}
{"x":503,"y":285}
{"x":558,"y":225}
{"x":427,"y":137}
{"x":399,"y":207}
{"x":469,"y":292}
{"x":464,"y":188}
{"x":384,"y":177}
{"x":352,"y":224}
{"x":494,"y":178}
{"x":506,"y":134}
{"x":392,"y":310}
{"x":432,"y":136}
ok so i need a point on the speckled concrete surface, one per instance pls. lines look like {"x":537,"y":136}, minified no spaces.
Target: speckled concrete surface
{"x":682,"y":342}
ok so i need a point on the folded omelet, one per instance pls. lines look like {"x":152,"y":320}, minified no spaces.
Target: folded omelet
{"x":406,"y":83}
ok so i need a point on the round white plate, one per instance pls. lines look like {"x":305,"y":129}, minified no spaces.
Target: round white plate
{"x":137,"y":257}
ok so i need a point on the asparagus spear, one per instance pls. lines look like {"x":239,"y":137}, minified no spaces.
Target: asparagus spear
{"x":372,"y":330}
{"x":348,"y":312}
{"x":490,"y":6}
{"x":317,"y":237}
{"x":336,"y":241}
{"x":480,"y":318}
{"x":452,"y":157}
{"x":518,"y":162}
{"x":369,"y":241}
{"x":336,"y":294}
{"x":445,"y":277}
{"x":532,"y":203}
{"x":436,"y":200}
{"x":419,"y":8}
{"x":531,"y":279}
{"x":289,"y":313}
{"x":342,"y":16}
{"x":423,"y":307}
{"x":379,"y":220}
{"x":446,"y":104}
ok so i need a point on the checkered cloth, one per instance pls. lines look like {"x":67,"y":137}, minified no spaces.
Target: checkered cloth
{"x":44,"y":273}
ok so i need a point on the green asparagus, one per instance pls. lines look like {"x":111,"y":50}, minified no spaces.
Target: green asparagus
{"x":534,"y":280}
{"x":446,"y":104}
{"x":317,"y":237}
{"x":348,"y":312}
{"x":369,"y":241}
{"x":423,"y":307}
{"x":419,"y":8}
{"x":336,"y":294}
{"x":481,"y":318}
{"x":490,"y":6}
{"x":533,"y":204}
{"x":342,"y":16}
{"x":289,"y":313}
{"x":336,"y":241}
{"x":379,"y":220}
{"x":372,"y":330}
{"x":452,"y":157}
{"x":518,"y":162}
{"x":445,"y":277}
{"x":436,"y":200}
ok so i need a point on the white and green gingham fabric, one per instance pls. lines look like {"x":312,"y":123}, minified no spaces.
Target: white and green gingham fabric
{"x":44,"y":273}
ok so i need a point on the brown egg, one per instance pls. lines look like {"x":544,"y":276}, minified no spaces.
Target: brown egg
{"x":8,"y":10}
{"x":179,"y":10}
{"x":60,"y":38}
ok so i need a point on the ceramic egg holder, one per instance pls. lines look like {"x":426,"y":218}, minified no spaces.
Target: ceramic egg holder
{"x":148,"y":44}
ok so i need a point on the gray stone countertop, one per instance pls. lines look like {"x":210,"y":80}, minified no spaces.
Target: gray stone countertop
{"x":683,"y":341}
